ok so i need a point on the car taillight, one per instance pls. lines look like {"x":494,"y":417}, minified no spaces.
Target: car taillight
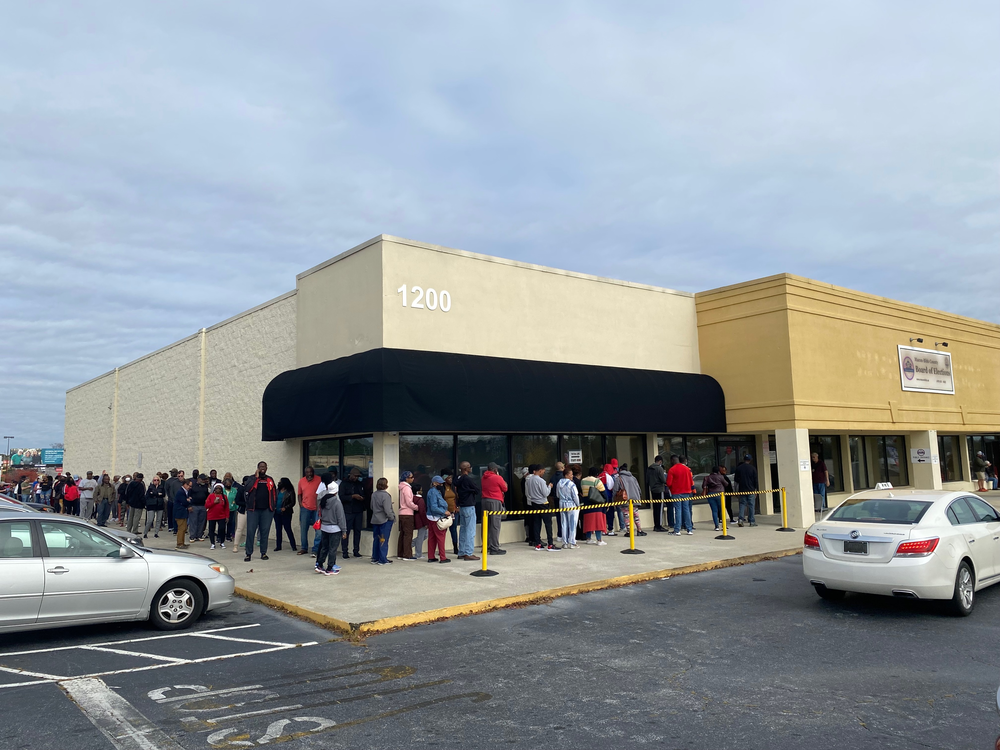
{"x":918,"y":548}
{"x":810,"y":541}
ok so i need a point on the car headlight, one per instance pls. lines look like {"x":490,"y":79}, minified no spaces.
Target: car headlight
{"x":219,"y":568}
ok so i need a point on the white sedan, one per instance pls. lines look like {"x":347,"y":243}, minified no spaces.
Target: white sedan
{"x":915,"y":544}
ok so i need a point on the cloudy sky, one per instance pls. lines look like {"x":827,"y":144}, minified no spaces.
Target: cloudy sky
{"x":166,"y":165}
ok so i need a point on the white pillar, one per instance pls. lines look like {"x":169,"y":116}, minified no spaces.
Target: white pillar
{"x":762,"y":451}
{"x":795,"y":475}
{"x":963,"y":441}
{"x":925,"y":476}
{"x":385,"y":463}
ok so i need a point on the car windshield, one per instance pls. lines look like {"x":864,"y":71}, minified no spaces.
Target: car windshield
{"x":880,"y":510}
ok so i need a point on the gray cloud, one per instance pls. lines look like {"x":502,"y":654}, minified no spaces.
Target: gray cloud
{"x":153,"y":156}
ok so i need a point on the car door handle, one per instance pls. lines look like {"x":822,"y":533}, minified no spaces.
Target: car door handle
{"x":59,"y":569}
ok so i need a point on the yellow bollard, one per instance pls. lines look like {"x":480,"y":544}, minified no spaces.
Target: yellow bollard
{"x":784,"y":512}
{"x":486,"y":528}
{"x":631,"y":532}
{"x":725,"y":528}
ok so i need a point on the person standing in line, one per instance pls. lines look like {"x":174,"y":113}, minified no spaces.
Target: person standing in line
{"x":87,"y":487}
{"x":155,"y":501}
{"x":171,"y":486}
{"x":451,"y":498}
{"x":382,"y":518}
{"x":217,"y":513}
{"x":979,"y":465}
{"x":821,"y":480}
{"x":730,"y":489}
{"x":714,"y":485}
{"x":283,"y":518}
{"x":419,"y":522}
{"x":182,"y":502}
{"x":746,"y":478}
{"x":197,"y":517}
{"x":569,"y":503}
{"x":240,"y":498}
{"x":122,"y":507}
{"x":537,"y":496}
{"x":45,"y":488}
{"x":680,"y":482}
{"x":494,"y":489}
{"x":135,"y":499}
{"x":352,"y":497}
{"x":627,"y":480}
{"x":608,"y":479}
{"x":594,"y":519}
{"x":332,"y":522}
{"x":213,"y":478}
{"x":437,"y":509}
{"x":262,"y":499}
{"x":466,"y":490}
{"x":553,"y":483}
{"x":71,"y":497}
{"x":231,"y":491}
{"x":24,"y":489}
{"x":105,"y":497}
{"x":404,"y":545}
{"x":308,"y":486}
{"x":656,"y":481}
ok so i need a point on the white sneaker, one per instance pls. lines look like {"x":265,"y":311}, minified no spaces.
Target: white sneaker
{"x":223,"y":546}
{"x":591,"y":541}
{"x":610,"y":533}
{"x":574,"y":546}
{"x":567,"y":546}
{"x":212,"y":547}
{"x":689,"y":533}
{"x":602,"y":543}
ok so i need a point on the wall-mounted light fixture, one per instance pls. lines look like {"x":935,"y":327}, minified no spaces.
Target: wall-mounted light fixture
{"x":919,"y":341}
{"x":941,"y":343}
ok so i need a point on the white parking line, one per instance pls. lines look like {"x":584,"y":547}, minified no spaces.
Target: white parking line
{"x":26,"y":673}
{"x":122,"y":651}
{"x":237,"y":640}
{"x":115,"y":717}
{"x":183,"y":634}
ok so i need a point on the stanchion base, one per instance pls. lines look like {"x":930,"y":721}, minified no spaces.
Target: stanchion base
{"x":484,"y":573}
{"x":633,"y":552}
{"x":725,"y":536}
{"x":785,"y":528}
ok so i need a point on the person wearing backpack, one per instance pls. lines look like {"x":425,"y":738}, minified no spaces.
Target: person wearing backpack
{"x":594,"y":519}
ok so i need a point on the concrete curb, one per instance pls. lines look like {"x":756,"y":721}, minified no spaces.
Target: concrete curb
{"x":372,"y":627}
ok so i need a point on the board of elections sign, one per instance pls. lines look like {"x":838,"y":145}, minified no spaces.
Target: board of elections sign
{"x":925,"y":370}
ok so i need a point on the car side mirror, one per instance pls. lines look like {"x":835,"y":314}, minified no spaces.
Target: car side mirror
{"x":126,"y":552}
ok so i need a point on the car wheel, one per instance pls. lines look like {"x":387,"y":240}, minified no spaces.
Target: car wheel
{"x":830,"y":595}
{"x":964,"y":598}
{"x":177,"y":605}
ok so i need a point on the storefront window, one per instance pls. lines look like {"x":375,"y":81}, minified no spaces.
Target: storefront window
{"x":480,"y":450}
{"x":323,"y":455}
{"x":590,"y":446}
{"x":989,"y":445}
{"x":701,"y":458}
{"x":630,"y":450}
{"x":358,"y":454}
{"x":668,"y":446}
{"x":425,"y":456}
{"x":879,"y":458}
{"x":527,"y":450}
{"x":828,"y":448}
{"x":950,"y":458}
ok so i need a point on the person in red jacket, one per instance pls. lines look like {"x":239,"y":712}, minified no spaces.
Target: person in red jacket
{"x":494,"y":489}
{"x":680,"y":482}
{"x":217,"y":512}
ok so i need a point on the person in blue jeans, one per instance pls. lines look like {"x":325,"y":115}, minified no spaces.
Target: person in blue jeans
{"x":466,"y":490}
{"x":382,"y":517}
{"x":262,"y":499}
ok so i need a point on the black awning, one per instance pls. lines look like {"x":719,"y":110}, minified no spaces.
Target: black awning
{"x":401,"y":390}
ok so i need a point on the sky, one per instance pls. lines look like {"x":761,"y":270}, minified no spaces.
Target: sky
{"x":164,"y":166}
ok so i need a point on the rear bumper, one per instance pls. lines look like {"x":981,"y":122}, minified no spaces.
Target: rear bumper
{"x":220,"y":592}
{"x":930,"y":577}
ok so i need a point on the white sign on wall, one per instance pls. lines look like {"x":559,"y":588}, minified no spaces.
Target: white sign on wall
{"x":575,"y":457}
{"x":925,"y":370}
{"x":805,"y":464}
{"x":922,"y":456}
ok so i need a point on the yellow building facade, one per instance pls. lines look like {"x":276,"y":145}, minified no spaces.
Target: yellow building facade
{"x":811,"y":367}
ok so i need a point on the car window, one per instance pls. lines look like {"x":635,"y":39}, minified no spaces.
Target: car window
{"x":15,"y":539}
{"x":961,"y":512}
{"x":880,"y":510}
{"x":983,"y":510}
{"x":74,"y":540}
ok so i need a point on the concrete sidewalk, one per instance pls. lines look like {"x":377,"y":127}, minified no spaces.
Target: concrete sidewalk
{"x":366,"y":598}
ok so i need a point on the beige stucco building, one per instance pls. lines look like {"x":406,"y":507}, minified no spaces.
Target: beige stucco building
{"x":802,"y":365}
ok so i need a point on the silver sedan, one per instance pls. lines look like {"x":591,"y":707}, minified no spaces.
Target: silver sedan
{"x":57,"y":571}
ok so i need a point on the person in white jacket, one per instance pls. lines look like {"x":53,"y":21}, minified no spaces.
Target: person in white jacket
{"x":569,"y":502}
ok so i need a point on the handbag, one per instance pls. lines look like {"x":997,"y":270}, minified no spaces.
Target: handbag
{"x":444,"y":522}
{"x":317,"y":524}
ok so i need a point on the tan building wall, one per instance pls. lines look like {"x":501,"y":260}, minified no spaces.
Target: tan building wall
{"x":792,"y":352}
{"x":161,"y":411}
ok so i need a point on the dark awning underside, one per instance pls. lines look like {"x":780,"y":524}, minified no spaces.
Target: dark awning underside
{"x":400,"y":390}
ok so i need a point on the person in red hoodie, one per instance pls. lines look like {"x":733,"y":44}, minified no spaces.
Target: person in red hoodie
{"x":217,"y":512}
{"x":680,"y":482}
{"x":494,"y":489}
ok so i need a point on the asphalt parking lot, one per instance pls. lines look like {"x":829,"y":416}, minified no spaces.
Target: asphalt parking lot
{"x":738,"y":658}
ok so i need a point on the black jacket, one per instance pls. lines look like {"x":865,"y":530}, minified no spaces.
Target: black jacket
{"x":199,"y":493}
{"x":656,"y":480}
{"x":746,"y":477}
{"x":155,"y":496}
{"x":135,"y":494}
{"x":348,"y":488}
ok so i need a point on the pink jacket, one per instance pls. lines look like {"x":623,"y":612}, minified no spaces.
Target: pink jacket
{"x":406,"y":504}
